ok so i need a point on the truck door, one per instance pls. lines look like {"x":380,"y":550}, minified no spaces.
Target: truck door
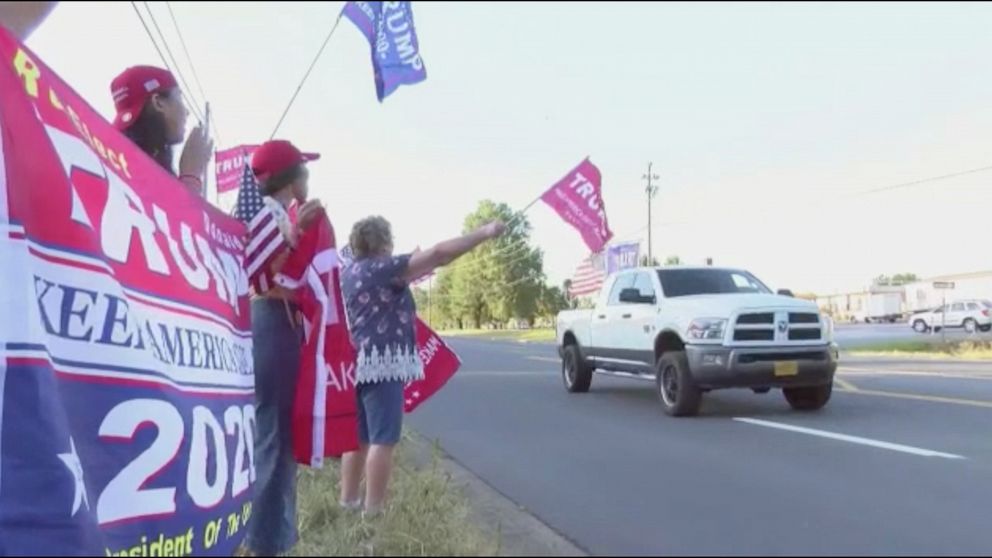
{"x":606,"y":319}
{"x":637,"y":321}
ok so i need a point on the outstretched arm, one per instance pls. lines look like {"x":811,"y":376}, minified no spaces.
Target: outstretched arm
{"x":426,"y":261}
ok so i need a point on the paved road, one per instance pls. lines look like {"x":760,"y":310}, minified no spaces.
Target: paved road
{"x":900,"y":462}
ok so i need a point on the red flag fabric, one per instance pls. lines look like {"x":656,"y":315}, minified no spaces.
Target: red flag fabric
{"x":325,"y":408}
{"x":325,"y":414}
{"x":440,"y":364}
{"x":578,"y":199}
{"x":228,"y":165}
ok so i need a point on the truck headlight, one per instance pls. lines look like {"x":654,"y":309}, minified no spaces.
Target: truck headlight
{"x":828,"y":328}
{"x":707,"y":330}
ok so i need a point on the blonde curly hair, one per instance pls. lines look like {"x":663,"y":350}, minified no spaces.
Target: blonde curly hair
{"x":370,"y":237}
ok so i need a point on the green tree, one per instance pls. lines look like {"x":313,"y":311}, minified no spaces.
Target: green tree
{"x":673,"y":260}
{"x":552,"y":301}
{"x":500,"y":280}
{"x":649,"y":262}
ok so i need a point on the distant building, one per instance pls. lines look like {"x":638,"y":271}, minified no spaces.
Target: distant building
{"x":922,"y":295}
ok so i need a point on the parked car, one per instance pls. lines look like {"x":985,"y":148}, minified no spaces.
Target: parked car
{"x":970,"y":315}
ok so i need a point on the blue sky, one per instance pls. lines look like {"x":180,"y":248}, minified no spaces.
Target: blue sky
{"x":763,"y":120}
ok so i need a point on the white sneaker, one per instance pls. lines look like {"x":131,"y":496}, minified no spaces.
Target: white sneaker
{"x":352,"y":507}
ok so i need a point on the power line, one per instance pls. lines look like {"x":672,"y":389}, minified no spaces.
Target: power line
{"x":196,"y":77}
{"x":921,"y":181}
{"x":149,"y":32}
{"x":175,"y":66}
{"x":306,"y":75}
{"x":531,"y":277}
{"x":515,"y":246}
{"x":856,"y":194}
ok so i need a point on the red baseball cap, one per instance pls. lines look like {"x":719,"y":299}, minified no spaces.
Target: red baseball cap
{"x":275,"y":156}
{"x":132,"y":89}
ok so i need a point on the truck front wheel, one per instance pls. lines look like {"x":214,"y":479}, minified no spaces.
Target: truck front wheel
{"x":808,"y":398}
{"x":575,"y":373}
{"x":678,"y":393}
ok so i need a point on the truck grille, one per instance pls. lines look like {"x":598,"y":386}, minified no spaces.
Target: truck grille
{"x":754,"y":335}
{"x":756,"y":319}
{"x":796,"y":318}
{"x":804,"y":335}
{"x":761,"y":328}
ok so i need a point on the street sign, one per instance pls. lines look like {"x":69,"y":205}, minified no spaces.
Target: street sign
{"x":943,"y":285}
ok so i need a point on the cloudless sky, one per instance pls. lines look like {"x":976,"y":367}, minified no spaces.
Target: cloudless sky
{"x":765,"y":121}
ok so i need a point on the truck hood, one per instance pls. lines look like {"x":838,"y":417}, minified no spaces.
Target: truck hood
{"x":726,"y":305}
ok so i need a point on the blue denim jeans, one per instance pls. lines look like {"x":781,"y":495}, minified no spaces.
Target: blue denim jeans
{"x":277,"y":345}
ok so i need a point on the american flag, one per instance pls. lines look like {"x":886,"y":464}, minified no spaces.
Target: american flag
{"x":588,"y":277}
{"x":265,"y":240}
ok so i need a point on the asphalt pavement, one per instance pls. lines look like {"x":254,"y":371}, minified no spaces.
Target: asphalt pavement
{"x":899,"y":462}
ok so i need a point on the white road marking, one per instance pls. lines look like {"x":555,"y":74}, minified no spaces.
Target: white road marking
{"x":508,"y":373}
{"x":849,"y":371}
{"x":545,"y":359}
{"x":851,"y":439}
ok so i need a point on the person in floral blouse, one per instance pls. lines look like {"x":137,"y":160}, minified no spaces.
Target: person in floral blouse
{"x":381,"y":314}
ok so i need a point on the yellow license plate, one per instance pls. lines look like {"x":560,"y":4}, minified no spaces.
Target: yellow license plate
{"x":790,"y":368}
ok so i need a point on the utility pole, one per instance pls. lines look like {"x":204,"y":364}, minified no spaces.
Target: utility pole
{"x":651,"y":190}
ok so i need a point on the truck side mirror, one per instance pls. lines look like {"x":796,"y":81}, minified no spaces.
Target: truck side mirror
{"x":786,"y":292}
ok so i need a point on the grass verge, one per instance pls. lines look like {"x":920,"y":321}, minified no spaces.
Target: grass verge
{"x":527,"y":335}
{"x":427,"y":516}
{"x":963,"y":350}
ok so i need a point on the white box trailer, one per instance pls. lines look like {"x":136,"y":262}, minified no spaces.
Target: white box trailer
{"x":884,"y":307}
{"x":880,"y":306}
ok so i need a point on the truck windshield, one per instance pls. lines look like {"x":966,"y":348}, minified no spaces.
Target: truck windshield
{"x":690,"y":282}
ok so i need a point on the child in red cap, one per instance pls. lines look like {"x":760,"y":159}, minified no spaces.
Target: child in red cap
{"x":277,"y":343}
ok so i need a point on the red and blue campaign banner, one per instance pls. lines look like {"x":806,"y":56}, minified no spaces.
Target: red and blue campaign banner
{"x":389,"y":29}
{"x":126,"y":379}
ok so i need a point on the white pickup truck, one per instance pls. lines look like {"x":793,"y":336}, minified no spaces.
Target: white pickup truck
{"x":693,"y":330}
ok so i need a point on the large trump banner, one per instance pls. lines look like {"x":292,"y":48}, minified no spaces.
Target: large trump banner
{"x":126,"y":380}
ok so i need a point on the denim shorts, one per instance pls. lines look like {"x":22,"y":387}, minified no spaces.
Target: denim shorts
{"x":380,"y":413}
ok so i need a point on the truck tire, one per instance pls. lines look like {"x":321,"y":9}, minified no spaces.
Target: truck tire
{"x":808,"y":398}
{"x":575,"y":373}
{"x":919,"y":326}
{"x":970,"y":326}
{"x":679,"y":395}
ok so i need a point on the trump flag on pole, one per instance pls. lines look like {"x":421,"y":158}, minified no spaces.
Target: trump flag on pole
{"x":622,"y":256}
{"x":228,"y":165}
{"x":578,"y":199}
{"x":389,"y":29}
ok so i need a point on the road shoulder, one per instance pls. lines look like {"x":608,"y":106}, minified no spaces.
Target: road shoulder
{"x":519,"y":532}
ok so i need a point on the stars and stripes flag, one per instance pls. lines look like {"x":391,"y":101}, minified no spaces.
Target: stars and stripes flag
{"x":267,"y":221}
{"x":588,"y":277}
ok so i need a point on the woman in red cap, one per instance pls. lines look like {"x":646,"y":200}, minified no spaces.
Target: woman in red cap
{"x":277,"y":339}
{"x":151,"y":112}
